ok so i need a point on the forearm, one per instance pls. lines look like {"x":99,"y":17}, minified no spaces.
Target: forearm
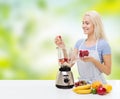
{"x":102,"y":67}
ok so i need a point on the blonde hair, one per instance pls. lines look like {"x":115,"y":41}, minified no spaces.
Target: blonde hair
{"x":98,"y":25}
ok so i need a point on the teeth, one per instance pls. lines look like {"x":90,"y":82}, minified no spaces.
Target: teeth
{"x":85,"y":29}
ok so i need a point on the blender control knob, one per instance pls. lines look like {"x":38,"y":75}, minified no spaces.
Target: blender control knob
{"x":66,"y":80}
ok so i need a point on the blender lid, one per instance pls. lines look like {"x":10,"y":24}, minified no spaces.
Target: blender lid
{"x":64,"y":68}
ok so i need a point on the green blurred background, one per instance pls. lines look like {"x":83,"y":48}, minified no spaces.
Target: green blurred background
{"x":28,"y":29}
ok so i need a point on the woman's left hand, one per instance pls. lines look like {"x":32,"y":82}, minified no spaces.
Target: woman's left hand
{"x":87,"y":59}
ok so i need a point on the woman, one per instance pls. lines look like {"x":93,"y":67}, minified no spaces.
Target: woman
{"x":92,"y":67}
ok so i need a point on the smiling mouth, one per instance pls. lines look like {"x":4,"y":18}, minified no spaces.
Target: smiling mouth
{"x":85,"y":29}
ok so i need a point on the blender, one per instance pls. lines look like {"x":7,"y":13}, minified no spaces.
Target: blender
{"x":64,"y":79}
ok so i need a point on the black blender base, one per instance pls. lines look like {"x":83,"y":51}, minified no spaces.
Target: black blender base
{"x":64,"y":87}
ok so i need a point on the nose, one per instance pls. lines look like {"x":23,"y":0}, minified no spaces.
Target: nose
{"x":83,"y":25}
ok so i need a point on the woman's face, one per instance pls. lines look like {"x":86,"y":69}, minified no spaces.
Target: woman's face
{"x":87,"y":25}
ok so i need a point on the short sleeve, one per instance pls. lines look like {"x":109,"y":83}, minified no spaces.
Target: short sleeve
{"x":78,"y":43}
{"x":106,"y":49}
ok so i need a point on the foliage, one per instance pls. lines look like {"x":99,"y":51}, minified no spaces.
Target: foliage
{"x":28,"y":28}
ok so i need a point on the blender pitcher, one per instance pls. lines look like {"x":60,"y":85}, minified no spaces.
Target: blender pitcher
{"x":62,"y":56}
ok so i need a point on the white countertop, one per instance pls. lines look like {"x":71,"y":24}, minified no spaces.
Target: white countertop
{"x":46,"y":89}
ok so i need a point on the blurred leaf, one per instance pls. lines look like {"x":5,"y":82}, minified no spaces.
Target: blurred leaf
{"x":4,"y":63}
{"x":108,"y":7}
{"x":5,"y":36}
{"x":30,"y":27}
{"x":42,"y":4}
{"x":47,"y":44}
{"x":4,"y":10}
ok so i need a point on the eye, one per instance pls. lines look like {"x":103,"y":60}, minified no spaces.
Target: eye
{"x":87,"y":23}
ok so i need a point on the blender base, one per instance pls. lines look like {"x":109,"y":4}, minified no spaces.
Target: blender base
{"x":64,"y":87}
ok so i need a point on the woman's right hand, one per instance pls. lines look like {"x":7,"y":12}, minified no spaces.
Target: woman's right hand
{"x":59,"y":42}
